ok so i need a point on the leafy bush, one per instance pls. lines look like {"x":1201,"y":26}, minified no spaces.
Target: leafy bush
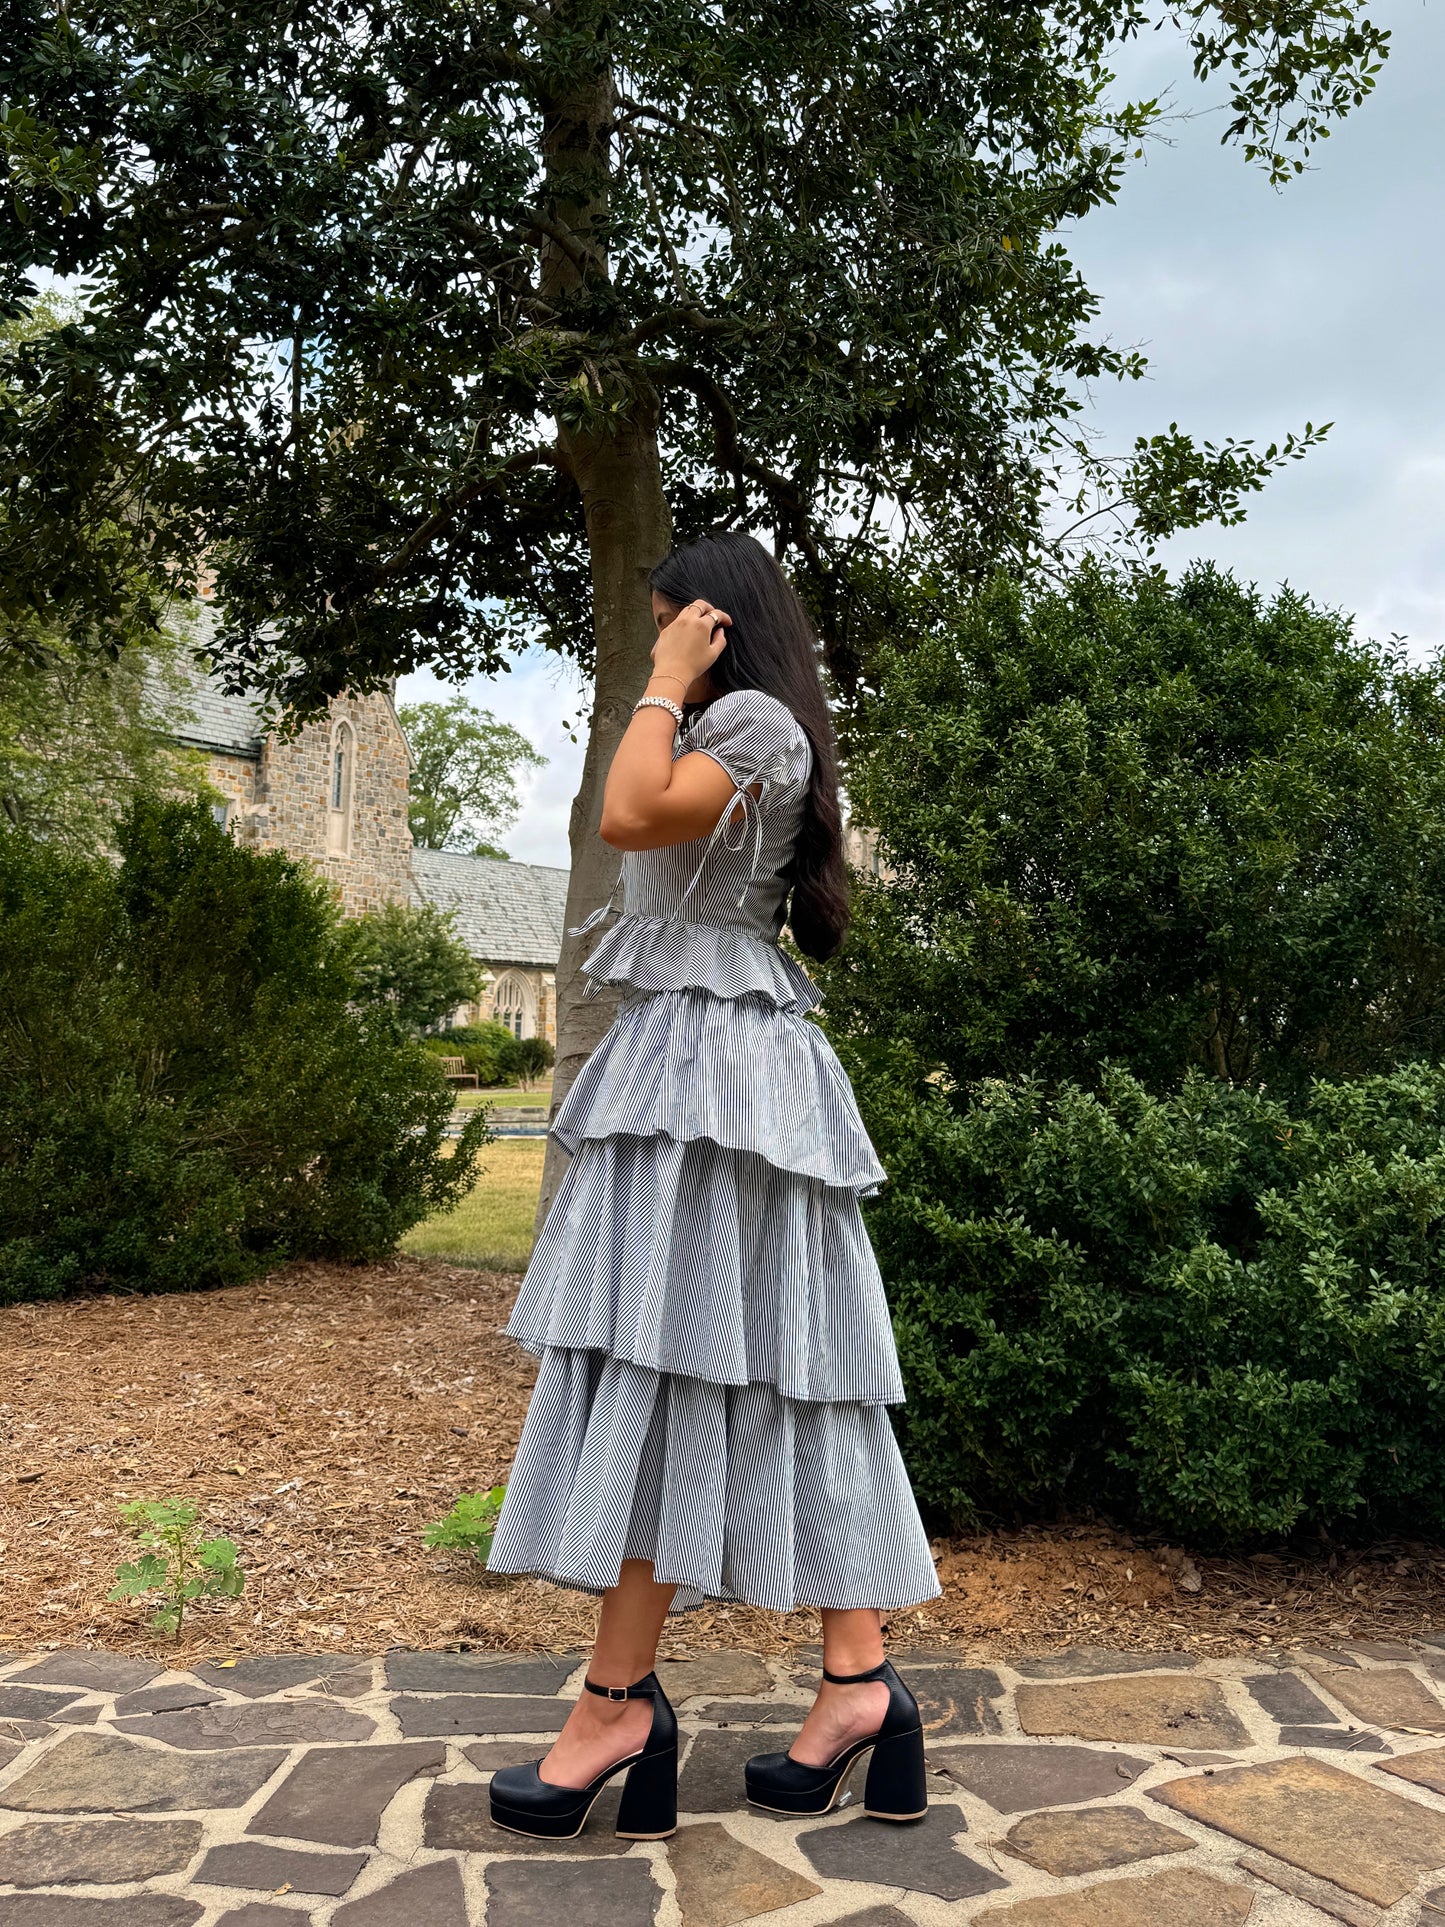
{"x":532,"y":1057}
{"x":188,"y":1091}
{"x":408,"y":959}
{"x":1214,"y":1309}
{"x":470,"y":1526}
{"x":1150,"y":824}
{"x":485,"y":1049}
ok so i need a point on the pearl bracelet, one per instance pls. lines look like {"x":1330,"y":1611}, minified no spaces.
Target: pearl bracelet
{"x":660,"y":702}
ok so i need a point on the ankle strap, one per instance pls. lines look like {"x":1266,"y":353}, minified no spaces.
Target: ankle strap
{"x":645,"y":1689}
{"x":856,"y":1679}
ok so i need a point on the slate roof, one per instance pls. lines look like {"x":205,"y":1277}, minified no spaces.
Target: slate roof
{"x":503,"y":912}
{"x":231,"y":724}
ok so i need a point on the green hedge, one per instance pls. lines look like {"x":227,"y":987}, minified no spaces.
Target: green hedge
{"x":1214,"y":1310}
{"x":189,"y":1091}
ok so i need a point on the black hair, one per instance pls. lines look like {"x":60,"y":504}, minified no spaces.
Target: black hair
{"x":772,"y":646}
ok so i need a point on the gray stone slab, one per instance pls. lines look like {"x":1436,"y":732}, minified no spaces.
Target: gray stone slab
{"x":1384,"y":1649}
{"x":103,"y":1773}
{"x":422,"y":1897}
{"x":257,"y":1677}
{"x":921,"y":1858}
{"x":521,"y":1894}
{"x":34,"y":1702}
{"x":1179,"y":1897}
{"x":1092,"y":1662}
{"x":255,"y":1913}
{"x":955,"y":1701}
{"x":53,"y":1853}
{"x":337,"y":1795}
{"x":1390,"y":1696}
{"x":717,"y":1673}
{"x":204,"y":1729}
{"x":457,"y":1819}
{"x":76,"y":1715}
{"x":72,"y":1910}
{"x":471,"y":1715}
{"x":721,"y":1882}
{"x":93,"y":1672}
{"x":1016,"y":1778}
{"x":1286,"y":1698}
{"x":490,"y":1754}
{"x":247,"y":1863}
{"x":9,"y":1750}
{"x":172,"y":1698}
{"x":751,"y":1713}
{"x":711,"y":1780}
{"x":479,"y":1672}
{"x":1340,"y":1739}
{"x":350,"y":1683}
{"x":874,"y":1917}
{"x":19,"y":1731}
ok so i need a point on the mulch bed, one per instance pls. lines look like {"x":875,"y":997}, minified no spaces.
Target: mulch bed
{"x":323,"y":1416}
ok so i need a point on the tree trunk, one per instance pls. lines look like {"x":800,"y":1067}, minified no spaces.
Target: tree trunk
{"x":619,"y":477}
{"x":628,"y":532}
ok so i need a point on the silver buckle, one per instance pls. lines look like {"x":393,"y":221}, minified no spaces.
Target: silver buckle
{"x":617,"y":1692}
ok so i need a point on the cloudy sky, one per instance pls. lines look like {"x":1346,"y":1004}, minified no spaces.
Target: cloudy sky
{"x":1259,"y":309}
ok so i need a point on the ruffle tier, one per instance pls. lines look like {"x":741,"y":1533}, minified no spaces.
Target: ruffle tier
{"x":732,"y":1493}
{"x":713,"y":1264}
{"x":687,"y":1064}
{"x":657,"y":953}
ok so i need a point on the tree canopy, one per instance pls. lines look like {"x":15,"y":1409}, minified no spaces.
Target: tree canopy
{"x":464,"y":775}
{"x":1151,"y":824}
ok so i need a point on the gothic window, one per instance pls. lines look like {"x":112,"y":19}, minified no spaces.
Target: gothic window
{"x":220,"y":814}
{"x":512,"y":1005}
{"x":338,"y":799}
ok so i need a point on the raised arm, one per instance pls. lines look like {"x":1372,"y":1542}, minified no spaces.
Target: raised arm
{"x":649,"y":800}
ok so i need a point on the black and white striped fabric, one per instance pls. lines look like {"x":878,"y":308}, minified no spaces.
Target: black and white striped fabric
{"x":716,"y":1354}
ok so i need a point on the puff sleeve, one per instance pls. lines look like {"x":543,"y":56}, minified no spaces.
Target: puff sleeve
{"x":756,"y":739}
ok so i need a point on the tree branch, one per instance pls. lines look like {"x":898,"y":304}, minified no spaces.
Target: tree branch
{"x":422,"y":537}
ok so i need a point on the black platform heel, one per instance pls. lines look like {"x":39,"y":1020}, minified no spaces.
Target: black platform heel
{"x":896,"y":1788}
{"x":523,"y":1802}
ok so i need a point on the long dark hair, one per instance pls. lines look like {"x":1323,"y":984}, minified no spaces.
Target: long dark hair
{"x":771,"y":646}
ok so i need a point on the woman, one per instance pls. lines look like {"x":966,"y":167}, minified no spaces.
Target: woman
{"x":710,"y":1414}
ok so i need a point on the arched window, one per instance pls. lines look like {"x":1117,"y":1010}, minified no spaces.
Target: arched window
{"x":513,"y":1005}
{"x":338,"y":790}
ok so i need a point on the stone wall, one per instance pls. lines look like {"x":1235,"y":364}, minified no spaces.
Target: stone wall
{"x":283,"y":802}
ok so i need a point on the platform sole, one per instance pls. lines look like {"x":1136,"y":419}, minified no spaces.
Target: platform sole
{"x":518,"y":1822}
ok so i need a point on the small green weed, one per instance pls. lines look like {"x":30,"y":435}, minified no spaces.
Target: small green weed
{"x":176,"y":1562}
{"x":469,"y":1526}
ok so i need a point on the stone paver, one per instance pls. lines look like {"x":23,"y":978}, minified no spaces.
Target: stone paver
{"x":720,"y":1881}
{"x":337,"y":1795}
{"x":468,"y":1714}
{"x":1173,"y":1899}
{"x":1151,"y":1707}
{"x":521,"y":1894}
{"x":258,"y":1677}
{"x":1286,"y":1698}
{"x":34,"y":1702}
{"x":1092,"y":1840}
{"x":423,"y":1897}
{"x":1015,"y":1779}
{"x":203,"y":1729}
{"x":1388,"y":1696}
{"x":734,"y":1673}
{"x":75,"y":1910}
{"x":922,"y":1858}
{"x":1078,"y":1762}
{"x":100,"y":1773}
{"x":479,"y":1672}
{"x":247,"y":1863}
{"x":1089,"y":1662}
{"x":1373,"y":1843}
{"x":50,"y":1853}
{"x":92,"y":1672}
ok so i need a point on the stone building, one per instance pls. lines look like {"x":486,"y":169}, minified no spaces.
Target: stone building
{"x":336,"y":794}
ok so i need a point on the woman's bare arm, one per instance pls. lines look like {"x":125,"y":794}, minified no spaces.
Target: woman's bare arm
{"x":649,"y":800}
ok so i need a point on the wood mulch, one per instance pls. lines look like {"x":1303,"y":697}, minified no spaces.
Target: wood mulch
{"x":323,"y":1416}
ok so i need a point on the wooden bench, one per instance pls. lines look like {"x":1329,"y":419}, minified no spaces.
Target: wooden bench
{"x":454,"y":1069}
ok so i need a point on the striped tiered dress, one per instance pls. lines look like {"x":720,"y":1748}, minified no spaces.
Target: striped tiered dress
{"x":716,"y":1354}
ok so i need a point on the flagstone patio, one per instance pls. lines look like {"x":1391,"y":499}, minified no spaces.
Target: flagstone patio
{"x":1086,"y":1789}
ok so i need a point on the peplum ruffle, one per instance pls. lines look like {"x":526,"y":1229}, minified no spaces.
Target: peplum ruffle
{"x":658,"y":953}
{"x":710,"y":1264}
{"x":739,"y":1071}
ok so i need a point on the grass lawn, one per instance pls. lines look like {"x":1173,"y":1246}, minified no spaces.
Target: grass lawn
{"x":492,"y":1227}
{"x":504,"y":1099}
